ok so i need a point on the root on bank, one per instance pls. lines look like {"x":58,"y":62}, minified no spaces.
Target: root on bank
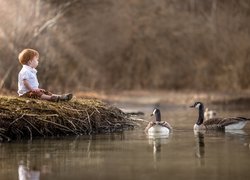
{"x":27,"y":118}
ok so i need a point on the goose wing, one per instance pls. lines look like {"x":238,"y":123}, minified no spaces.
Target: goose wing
{"x":222,"y":122}
{"x":166,"y":124}
{"x":212,"y":123}
{"x":232,"y":120}
{"x":150,"y":124}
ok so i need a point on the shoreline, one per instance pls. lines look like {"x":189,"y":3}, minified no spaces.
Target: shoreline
{"x":22,"y":118}
{"x":170,"y":97}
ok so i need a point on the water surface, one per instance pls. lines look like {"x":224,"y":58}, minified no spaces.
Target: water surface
{"x":132,"y":155}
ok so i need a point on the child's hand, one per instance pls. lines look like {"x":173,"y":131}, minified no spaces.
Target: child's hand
{"x":43,"y":90}
{"x":36,"y":90}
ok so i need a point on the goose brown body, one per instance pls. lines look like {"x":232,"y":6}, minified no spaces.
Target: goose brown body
{"x":218,"y":123}
{"x":222,"y":123}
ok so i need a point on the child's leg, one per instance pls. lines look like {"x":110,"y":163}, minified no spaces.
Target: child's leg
{"x":50,"y":98}
{"x":55,"y":97}
{"x":45,"y":97}
{"x":63,"y":97}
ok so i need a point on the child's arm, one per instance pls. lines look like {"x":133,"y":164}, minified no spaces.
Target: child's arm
{"x":27,"y":85}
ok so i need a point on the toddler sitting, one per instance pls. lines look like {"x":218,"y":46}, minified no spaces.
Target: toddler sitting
{"x":28,"y":85}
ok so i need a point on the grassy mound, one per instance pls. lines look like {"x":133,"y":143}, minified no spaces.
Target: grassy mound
{"x":27,"y":118}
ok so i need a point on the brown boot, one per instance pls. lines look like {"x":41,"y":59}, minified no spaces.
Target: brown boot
{"x":54,"y":98}
{"x":66,"y":97}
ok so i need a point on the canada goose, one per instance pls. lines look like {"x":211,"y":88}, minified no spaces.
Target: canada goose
{"x":209,"y":114}
{"x":217,"y":123}
{"x":158,"y":127}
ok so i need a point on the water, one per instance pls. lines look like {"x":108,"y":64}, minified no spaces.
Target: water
{"x":132,"y":155}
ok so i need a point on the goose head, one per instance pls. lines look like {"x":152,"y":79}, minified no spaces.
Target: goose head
{"x":197,"y":105}
{"x":157,"y":114}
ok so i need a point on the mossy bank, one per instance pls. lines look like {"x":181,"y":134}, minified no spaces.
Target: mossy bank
{"x":22,"y":118}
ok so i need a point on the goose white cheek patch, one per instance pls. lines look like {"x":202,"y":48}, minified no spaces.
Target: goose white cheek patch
{"x":197,"y":105}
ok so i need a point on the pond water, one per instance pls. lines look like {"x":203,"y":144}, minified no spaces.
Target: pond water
{"x":132,"y":155}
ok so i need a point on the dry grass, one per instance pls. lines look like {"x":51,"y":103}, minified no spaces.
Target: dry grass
{"x":28,"y":118}
{"x":131,"y":45}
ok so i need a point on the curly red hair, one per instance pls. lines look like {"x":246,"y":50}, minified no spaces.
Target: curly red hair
{"x":26,"y":55}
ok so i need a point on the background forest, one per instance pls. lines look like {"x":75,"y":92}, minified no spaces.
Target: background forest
{"x":129,"y":44}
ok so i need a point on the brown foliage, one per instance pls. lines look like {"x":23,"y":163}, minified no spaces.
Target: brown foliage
{"x":129,"y":44}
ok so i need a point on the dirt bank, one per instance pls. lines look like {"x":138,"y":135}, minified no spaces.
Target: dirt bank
{"x":28,"y":118}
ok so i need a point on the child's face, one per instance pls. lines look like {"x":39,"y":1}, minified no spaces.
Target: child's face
{"x":33,"y":62}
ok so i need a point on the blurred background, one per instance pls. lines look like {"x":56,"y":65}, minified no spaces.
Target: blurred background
{"x":107,"y":45}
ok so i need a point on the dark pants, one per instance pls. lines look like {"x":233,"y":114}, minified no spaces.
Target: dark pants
{"x":36,"y":94}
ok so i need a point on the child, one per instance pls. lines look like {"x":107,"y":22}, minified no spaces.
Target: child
{"x":27,"y":79}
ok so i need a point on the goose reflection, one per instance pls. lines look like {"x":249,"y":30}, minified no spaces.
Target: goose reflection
{"x":200,"y":147}
{"x":157,"y":143}
{"x":236,"y":132}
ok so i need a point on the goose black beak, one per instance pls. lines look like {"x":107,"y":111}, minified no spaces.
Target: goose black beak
{"x":191,"y":106}
{"x":151,"y":114}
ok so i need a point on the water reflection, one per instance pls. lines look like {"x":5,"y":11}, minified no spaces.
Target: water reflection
{"x":200,"y":147}
{"x":27,"y":173}
{"x":157,"y":143}
{"x":226,"y":138}
{"x":30,"y":169}
{"x":236,"y":131}
{"x":182,"y":155}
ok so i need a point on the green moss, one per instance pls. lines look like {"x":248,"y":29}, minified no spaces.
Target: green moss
{"x":27,"y":118}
